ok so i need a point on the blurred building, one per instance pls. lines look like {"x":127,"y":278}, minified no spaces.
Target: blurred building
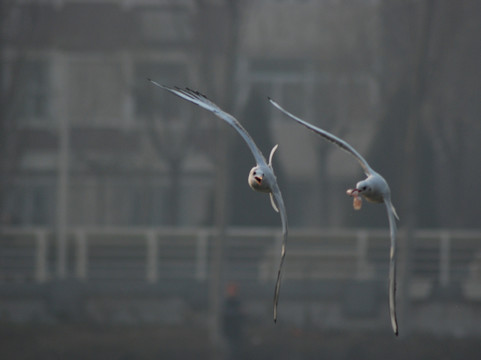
{"x":87,"y":136}
{"x":79,"y":113}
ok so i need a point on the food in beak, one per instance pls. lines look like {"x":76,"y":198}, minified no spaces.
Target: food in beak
{"x":357,"y":200}
{"x":352,"y":192}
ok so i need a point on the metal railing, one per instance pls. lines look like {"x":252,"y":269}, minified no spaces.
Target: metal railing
{"x":438,"y":258}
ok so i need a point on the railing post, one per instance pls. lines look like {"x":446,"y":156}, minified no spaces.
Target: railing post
{"x":201,"y":256}
{"x":81,"y":251}
{"x":41,"y":257}
{"x":444,"y":259}
{"x":152,"y":255}
{"x":362,"y":265}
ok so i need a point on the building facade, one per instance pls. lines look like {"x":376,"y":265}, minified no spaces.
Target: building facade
{"x":88,"y":136}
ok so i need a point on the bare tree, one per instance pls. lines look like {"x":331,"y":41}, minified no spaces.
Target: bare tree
{"x":171,"y":138}
{"x":451,"y":111}
{"x":429,"y":80}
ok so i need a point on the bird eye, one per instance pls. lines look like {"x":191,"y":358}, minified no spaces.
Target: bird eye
{"x":364,"y":188}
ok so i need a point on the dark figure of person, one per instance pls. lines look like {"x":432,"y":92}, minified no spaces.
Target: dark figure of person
{"x":232,"y":322}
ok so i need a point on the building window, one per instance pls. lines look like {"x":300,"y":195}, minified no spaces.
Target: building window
{"x":29,"y":203}
{"x":96,"y":90}
{"x":28,"y":82}
{"x":167,"y":26}
{"x":148,"y":203}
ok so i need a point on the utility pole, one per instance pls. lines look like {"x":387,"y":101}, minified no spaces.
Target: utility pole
{"x":216,"y":284}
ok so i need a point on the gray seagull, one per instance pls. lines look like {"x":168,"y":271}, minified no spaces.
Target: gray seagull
{"x":374,"y":189}
{"x":261,"y":177}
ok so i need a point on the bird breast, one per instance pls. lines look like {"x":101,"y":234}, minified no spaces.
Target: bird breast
{"x":374,"y":197}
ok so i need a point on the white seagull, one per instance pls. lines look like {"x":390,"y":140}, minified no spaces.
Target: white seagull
{"x":261,"y":177}
{"x":374,"y":189}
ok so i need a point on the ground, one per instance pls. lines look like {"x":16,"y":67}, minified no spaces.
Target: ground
{"x":87,"y":341}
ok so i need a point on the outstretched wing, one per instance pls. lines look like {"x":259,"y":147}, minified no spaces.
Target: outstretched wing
{"x":328,"y":136}
{"x":202,"y":101}
{"x":273,"y":202}
{"x":392,"y":264}
{"x":282,"y":211}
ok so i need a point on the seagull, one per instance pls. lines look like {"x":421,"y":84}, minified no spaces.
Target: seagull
{"x":261,"y":177}
{"x":374,"y":189}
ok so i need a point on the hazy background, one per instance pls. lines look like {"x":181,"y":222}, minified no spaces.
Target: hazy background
{"x":126,"y":218}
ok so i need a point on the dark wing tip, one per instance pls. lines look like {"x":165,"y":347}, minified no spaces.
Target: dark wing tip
{"x":193,"y":92}
{"x":185,"y":90}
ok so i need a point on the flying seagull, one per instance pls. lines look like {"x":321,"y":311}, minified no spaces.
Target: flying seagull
{"x":374,"y":189}
{"x":261,"y":177}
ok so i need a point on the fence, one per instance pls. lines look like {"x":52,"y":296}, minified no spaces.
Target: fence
{"x":439,"y":258}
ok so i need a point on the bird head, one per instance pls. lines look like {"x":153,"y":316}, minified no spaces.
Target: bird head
{"x":363,"y":187}
{"x":370,"y":189}
{"x":257,"y":179}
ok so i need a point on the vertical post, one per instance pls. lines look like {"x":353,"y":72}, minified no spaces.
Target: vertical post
{"x":82,"y":259}
{"x":444,"y":259}
{"x":152,"y":254}
{"x":63,"y":157}
{"x":41,"y":257}
{"x":362,"y":242}
{"x":201,"y":256}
